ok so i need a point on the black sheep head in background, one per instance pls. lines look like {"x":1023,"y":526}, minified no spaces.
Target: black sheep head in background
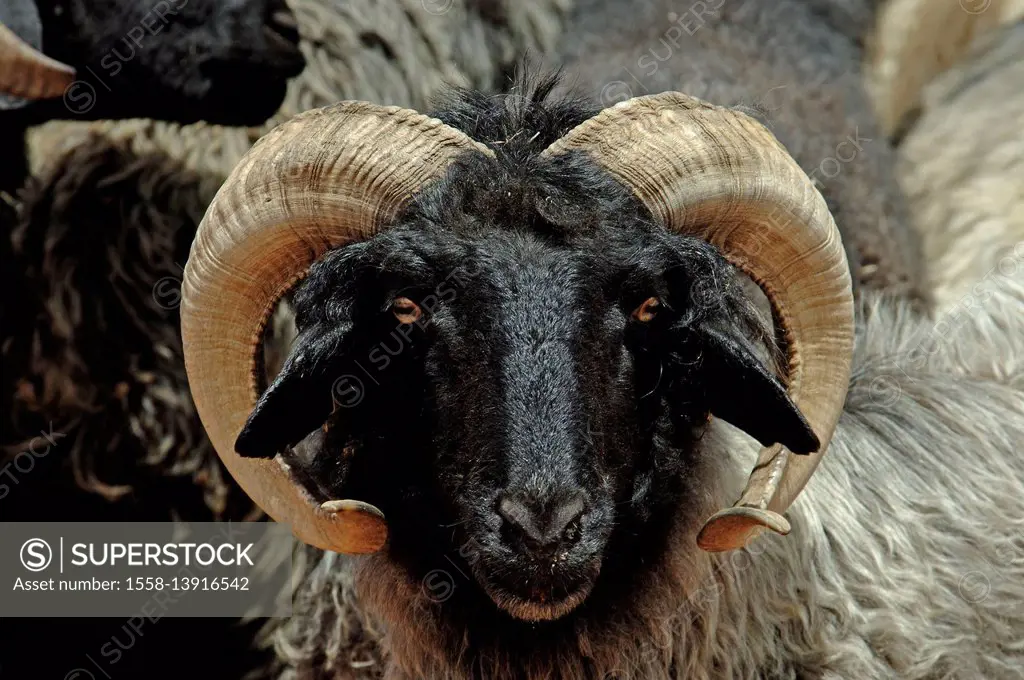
{"x":221,"y":61}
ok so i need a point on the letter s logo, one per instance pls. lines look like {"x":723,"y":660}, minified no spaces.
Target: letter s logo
{"x":36,"y":554}
{"x":79,"y":97}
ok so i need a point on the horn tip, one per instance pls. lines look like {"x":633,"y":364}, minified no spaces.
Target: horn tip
{"x":353,"y":527}
{"x":735,"y":527}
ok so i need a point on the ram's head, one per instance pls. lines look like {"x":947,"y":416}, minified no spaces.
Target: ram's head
{"x":222,"y":61}
{"x":514,"y":345}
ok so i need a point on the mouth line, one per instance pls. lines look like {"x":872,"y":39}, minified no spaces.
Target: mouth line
{"x":537,"y":609}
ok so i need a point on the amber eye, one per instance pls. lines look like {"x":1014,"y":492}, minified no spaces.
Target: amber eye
{"x":647,"y":309}
{"x":405,"y":310}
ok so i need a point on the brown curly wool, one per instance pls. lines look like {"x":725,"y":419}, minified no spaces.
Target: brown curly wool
{"x":92,"y":348}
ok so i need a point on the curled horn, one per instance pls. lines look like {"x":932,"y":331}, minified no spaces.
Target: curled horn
{"x":325,"y":178}
{"x":719,"y":175}
{"x":27,"y":73}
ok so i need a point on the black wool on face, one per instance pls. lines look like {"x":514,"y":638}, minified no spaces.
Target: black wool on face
{"x":528,"y":406}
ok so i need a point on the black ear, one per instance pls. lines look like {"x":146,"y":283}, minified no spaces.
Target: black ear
{"x":741,"y":391}
{"x":299,"y":400}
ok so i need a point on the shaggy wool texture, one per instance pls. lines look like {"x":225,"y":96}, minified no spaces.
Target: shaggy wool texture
{"x":906,"y":559}
{"x":92,"y":348}
{"x":962,"y":168}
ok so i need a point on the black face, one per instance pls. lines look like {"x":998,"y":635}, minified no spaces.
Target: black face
{"x":222,"y":61}
{"x":520,"y":393}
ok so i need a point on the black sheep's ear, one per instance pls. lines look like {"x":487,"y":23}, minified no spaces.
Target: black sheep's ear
{"x":742,"y":392}
{"x":298,"y":401}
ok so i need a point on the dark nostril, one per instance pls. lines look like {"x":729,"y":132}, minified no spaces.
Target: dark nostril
{"x":543,"y":525}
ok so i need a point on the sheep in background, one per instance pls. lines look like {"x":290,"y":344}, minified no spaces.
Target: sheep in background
{"x":224,"y":62}
{"x":24,"y":71}
{"x":399,"y":52}
{"x":79,"y":280}
{"x":98,"y":371}
{"x":550,"y":351}
{"x":962,"y":168}
{"x":90,"y":344}
{"x":914,"y":41}
{"x":945,"y":79}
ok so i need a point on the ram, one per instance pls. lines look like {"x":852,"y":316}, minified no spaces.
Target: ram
{"x":411,"y":644}
{"x":536,"y":369}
